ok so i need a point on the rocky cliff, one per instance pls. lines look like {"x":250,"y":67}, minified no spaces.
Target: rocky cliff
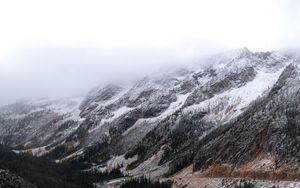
{"x":234,"y":109}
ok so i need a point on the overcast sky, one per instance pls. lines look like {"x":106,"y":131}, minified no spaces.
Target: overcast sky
{"x":63,"y":48}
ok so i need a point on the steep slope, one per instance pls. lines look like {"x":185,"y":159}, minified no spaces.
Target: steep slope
{"x":177,"y":137}
{"x":268,"y":131}
{"x":161,"y":123}
{"x":38,"y":124}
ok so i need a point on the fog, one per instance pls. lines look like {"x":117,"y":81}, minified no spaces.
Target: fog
{"x":65,"y":48}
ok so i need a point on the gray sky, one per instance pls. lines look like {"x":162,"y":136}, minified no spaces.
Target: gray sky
{"x":63,"y":48}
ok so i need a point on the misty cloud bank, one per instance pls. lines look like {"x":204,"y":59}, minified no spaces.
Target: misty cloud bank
{"x":63,"y":71}
{"x":85,"y":44}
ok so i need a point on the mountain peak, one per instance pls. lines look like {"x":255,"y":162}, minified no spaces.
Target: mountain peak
{"x":241,"y":52}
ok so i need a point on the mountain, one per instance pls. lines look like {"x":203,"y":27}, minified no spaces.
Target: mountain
{"x":233,"y":114}
{"x":39,"y":124}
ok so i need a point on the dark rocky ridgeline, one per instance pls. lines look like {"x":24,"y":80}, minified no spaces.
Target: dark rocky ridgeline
{"x":10,"y":180}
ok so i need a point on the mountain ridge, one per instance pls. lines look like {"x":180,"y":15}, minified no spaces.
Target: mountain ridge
{"x":162,"y":124}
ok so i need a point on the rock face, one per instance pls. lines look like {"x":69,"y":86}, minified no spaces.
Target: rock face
{"x":39,"y":126}
{"x":231,"y":108}
{"x":10,"y":180}
{"x":269,"y":126}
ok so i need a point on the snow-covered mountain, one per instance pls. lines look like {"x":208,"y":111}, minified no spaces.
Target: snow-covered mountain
{"x":39,"y":124}
{"x":211,"y":113}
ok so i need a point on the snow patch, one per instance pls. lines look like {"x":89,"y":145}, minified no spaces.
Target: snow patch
{"x":151,"y":167}
{"x":229,"y":104}
{"x":112,"y":100}
{"x":116,"y":114}
{"x":39,"y":151}
{"x":69,"y":107}
{"x":114,"y":163}
{"x":173,"y":107}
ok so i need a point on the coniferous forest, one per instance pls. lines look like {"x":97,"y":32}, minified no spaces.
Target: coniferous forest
{"x":43,"y":173}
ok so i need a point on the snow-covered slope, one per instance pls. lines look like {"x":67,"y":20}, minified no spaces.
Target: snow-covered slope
{"x":221,"y":90}
{"x":39,"y":123}
{"x":153,"y":118}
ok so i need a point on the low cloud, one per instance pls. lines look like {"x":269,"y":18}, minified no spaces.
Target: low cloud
{"x":62,"y":48}
{"x":63,"y":71}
